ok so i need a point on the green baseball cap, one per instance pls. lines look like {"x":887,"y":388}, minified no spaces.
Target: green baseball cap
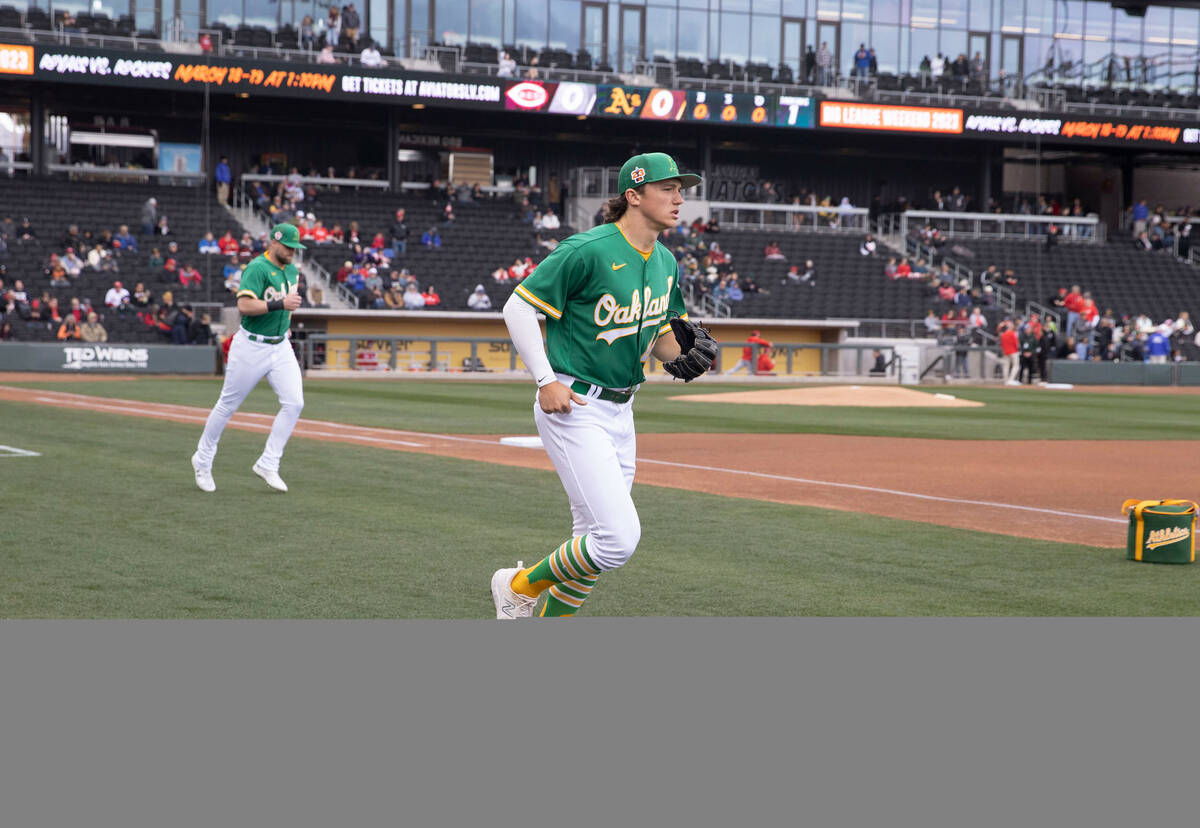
{"x":650,"y":167}
{"x":288,"y":235}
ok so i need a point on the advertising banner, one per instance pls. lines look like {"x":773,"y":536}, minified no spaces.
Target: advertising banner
{"x":83,"y":358}
{"x":245,"y":75}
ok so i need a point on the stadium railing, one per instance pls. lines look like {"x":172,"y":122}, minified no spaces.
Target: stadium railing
{"x":790,"y":217}
{"x":1088,"y":229}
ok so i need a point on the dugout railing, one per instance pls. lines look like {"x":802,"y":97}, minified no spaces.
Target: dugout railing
{"x":464,"y":354}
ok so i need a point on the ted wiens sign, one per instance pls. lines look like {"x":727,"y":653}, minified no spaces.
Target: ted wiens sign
{"x":133,"y":359}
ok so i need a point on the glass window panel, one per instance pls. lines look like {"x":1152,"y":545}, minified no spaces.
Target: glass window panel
{"x":1012,"y":16}
{"x":885,"y":41}
{"x":693,"y":34}
{"x":228,"y":12}
{"x":925,"y":13}
{"x":981,"y":15}
{"x":263,"y":13}
{"x":952,"y":44}
{"x":1158,"y":25}
{"x":1185,"y":25}
{"x":1039,"y":17}
{"x":766,"y":6}
{"x":793,"y":49}
{"x":885,"y":11}
{"x":564,"y":25}
{"x":693,"y":4}
{"x":856,"y":11}
{"x":1038,"y":51}
{"x":531,"y":23}
{"x":1068,"y":18}
{"x":1099,"y":21}
{"x":714,"y":34}
{"x":791,"y":8}
{"x":485,"y":21}
{"x":829,"y":9}
{"x":143,"y":19}
{"x":660,"y":32}
{"x":451,"y":23}
{"x":924,"y":45}
{"x":764,"y":39}
{"x":734,"y":5}
{"x":1126,"y":27}
{"x":419,"y":19}
{"x":954,"y":14}
{"x":735,"y":37}
{"x":377,"y":23}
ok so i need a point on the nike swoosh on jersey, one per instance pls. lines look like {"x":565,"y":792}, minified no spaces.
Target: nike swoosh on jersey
{"x":616,"y":266}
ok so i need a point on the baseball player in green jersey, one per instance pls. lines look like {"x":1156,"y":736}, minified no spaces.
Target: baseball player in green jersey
{"x":607,"y":295}
{"x":266,"y":298}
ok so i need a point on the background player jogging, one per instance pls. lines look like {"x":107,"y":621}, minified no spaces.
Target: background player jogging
{"x":609,"y":295}
{"x":266,"y":298}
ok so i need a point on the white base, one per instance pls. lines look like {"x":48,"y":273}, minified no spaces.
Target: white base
{"x":522,"y":442}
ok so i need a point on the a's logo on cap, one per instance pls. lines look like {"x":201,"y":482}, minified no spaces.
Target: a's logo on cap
{"x":638,"y":175}
{"x":673,"y":167}
{"x":278,"y":235}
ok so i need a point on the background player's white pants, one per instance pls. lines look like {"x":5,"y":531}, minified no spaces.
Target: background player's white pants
{"x":594,"y":450}
{"x":248,"y":363}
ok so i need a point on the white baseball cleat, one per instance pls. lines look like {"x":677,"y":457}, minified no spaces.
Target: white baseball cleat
{"x":510,"y":604}
{"x":272,"y":477}
{"x":204,"y":478}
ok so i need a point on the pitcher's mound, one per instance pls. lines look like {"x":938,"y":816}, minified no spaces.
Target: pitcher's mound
{"x":866,"y":396}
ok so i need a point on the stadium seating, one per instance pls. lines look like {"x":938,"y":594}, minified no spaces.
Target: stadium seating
{"x":52,"y":206}
{"x":484,"y":236}
{"x":1119,"y":277}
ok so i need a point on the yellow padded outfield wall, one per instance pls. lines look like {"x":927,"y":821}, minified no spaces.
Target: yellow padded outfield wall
{"x":413,"y":354}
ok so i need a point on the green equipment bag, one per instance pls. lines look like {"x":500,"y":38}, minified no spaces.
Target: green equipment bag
{"x":1161,"y":531}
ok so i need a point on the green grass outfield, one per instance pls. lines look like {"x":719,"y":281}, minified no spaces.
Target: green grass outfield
{"x":454,"y":406}
{"x":108,"y":523}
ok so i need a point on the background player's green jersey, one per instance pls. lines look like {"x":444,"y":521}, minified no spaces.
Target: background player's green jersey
{"x":605,"y":303}
{"x":263,"y":279}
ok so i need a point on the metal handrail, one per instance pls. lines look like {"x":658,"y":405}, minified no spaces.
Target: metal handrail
{"x":973,"y":224}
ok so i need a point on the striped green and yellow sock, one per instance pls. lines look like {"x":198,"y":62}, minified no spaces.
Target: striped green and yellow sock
{"x":568,"y":573}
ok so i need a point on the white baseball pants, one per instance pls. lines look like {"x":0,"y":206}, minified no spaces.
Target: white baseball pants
{"x":594,"y":450}
{"x":248,"y":363}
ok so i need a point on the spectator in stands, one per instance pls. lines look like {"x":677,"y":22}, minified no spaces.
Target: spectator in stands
{"x":374,"y":299}
{"x":733,"y":290}
{"x":431,"y":238}
{"x":1081,"y":335}
{"x":189,"y":276}
{"x":141,"y":297}
{"x":308,"y":34}
{"x":550,"y":221}
{"x":201,"y":332}
{"x":532,"y":72}
{"x":400,"y":233}
{"x":432,"y":298}
{"x":223,"y":177}
{"x":957,"y":202}
{"x":925,"y":70}
{"x":393,"y":298}
{"x":326,"y":55}
{"x":72,"y":263}
{"x":904,"y":269}
{"x":208,"y":245}
{"x":506,"y":66}
{"x":1141,"y":215}
{"x":890,"y":269}
{"x":351,"y":23}
{"x":371,"y":56}
{"x":479,"y":300}
{"x":181,"y":325}
{"x":773,"y":253}
{"x":1010,"y":347}
{"x":6,"y":332}
{"x":92,"y":330}
{"x":72,"y":237}
{"x":1158,"y":346}
{"x":978,"y":68}
{"x":125,"y":240}
{"x":825,"y":69}
{"x":25,"y":234}
{"x":115,"y":295}
{"x":867,"y":248}
{"x":413,"y":299}
{"x":69,"y":329}
{"x":333,"y":27}
{"x":149,"y":216}
{"x":227,"y":244}
{"x":448,"y":214}
{"x":862,"y":62}
{"x":58,"y":274}
{"x":977,"y":321}
{"x":100,"y":259}
{"x":937,"y":67}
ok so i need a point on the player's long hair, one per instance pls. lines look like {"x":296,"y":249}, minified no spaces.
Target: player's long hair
{"x":614,"y":208}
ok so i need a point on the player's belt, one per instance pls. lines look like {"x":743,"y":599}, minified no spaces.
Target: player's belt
{"x":606,"y":394}
{"x":266,"y":340}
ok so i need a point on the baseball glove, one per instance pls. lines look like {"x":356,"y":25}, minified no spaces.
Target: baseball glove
{"x":697,"y":348}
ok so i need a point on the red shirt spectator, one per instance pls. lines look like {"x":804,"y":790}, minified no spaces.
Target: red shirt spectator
{"x":228,"y":244}
{"x":1074,"y":301}
{"x":431,"y":297}
{"x":903,"y":270}
{"x":1010,"y":343}
{"x":378,"y":243}
{"x":765,"y":364}
{"x":753,"y":339}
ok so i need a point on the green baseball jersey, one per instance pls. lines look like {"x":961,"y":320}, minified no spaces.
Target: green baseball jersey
{"x":263,"y":279}
{"x":605,"y":303}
